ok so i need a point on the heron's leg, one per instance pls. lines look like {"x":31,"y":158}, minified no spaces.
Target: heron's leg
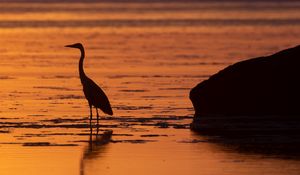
{"x":97,"y":121}
{"x":91,"y":115}
{"x":97,"y":116}
{"x":91,"y":138}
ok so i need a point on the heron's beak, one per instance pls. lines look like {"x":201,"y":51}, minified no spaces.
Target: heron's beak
{"x":69,"y":46}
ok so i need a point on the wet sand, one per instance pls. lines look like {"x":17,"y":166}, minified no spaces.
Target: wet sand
{"x":145,"y":68}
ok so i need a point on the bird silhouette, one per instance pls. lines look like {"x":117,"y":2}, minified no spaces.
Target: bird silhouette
{"x":93,"y":93}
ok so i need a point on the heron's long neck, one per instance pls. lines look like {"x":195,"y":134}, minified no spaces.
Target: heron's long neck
{"x":81,"y":71}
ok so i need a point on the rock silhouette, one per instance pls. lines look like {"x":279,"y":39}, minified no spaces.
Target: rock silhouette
{"x":263,"y":86}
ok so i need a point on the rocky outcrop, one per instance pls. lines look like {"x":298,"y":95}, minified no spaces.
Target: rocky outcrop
{"x":264,"y":86}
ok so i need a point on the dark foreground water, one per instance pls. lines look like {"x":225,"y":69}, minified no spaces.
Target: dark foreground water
{"x":146,"y":56}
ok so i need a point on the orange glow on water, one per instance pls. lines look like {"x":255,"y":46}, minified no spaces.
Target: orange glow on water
{"x":145,"y":68}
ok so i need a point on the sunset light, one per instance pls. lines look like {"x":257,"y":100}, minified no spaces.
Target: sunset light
{"x":169,"y":79}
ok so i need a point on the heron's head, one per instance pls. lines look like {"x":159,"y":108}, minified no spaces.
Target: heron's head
{"x":76,"y":45}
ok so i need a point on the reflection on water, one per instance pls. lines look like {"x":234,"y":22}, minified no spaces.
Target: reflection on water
{"x":148,"y":56}
{"x":283,"y":146}
{"x":95,"y":146}
{"x":188,"y":153}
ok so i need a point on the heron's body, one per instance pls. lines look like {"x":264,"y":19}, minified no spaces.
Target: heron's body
{"x":93,"y":93}
{"x":95,"y":96}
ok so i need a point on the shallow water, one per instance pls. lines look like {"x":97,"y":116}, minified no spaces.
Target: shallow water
{"x":146,"y":57}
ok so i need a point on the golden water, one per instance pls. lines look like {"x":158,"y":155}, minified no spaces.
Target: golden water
{"x":146,"y":57}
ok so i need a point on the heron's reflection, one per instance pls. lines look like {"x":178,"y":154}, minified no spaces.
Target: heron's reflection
{"x":96,"y":145}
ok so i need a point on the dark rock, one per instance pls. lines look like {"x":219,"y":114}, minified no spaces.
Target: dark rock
{"x":264,"y":86}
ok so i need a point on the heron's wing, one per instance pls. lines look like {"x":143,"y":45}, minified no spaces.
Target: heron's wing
{"x":96,"y":96}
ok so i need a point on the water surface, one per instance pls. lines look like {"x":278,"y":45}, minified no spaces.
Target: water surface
{"x":146,"y":57}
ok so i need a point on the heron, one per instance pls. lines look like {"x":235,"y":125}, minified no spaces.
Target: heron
{"x":92,"y":92}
